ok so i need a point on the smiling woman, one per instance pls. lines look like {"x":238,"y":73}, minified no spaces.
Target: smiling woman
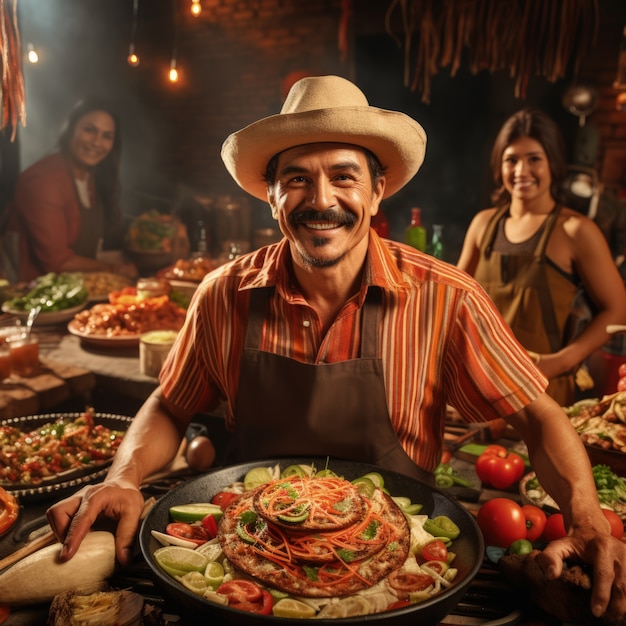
{"x":73,"y":193}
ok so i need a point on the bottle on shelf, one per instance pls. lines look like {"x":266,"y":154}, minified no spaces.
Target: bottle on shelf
{"x":436,"y":243}
{"x":380,"y":224}
{"x":415,"y":233}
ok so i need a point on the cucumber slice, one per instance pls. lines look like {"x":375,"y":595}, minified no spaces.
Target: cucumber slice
{"x":195,"y":512}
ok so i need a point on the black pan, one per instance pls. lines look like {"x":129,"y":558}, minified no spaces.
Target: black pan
{"x":469,"y":547}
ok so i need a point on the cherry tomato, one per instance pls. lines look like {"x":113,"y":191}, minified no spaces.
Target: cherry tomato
{"x":246,"y":595}
{"x":501,"y":522}
{"x":435,"y":551}
{"x":209,"y":523}
{"x":621,"y":370}
{"x":621,"y":384}
{"x":554,"y":528}
{"x":224,"y":498}
{"x":498,"y":467}
{"x":617,"y":526}
{"x":535,"y":521}
{"x":191,"y":532}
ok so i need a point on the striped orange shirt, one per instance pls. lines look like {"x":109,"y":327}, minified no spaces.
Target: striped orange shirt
{"x":441,"y":341}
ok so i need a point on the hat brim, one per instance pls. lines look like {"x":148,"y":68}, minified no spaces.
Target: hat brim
{"x":396,"y":139}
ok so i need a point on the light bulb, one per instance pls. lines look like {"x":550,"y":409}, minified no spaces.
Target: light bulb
{"x":33,"y":57}
{"x":133,"y":59}
{"x":173,"y":74}
{"x":196,"y":9}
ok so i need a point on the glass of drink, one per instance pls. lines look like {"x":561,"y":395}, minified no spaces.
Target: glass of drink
{"x":5,"y":362}
{"x":23,"y":353}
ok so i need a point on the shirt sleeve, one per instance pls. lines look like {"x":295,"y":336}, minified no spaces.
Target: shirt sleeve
{"x":490,"y":374}
{"x":43,"y":207}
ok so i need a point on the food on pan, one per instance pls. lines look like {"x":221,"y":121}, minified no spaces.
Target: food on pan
{"x":307,"y":544}
{"x":601,"y":423}
{"x":338,"y":547}
{"x":54,"y":448}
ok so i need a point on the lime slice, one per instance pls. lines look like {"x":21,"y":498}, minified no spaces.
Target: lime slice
{"x":214,"y":574}
{"x":181,"y":559}
{"x":365,"y":486}
{"x":256,"y":477}
{"x":212,"y":550}
{"x":289,"y":607}
{"x":195,"y":582}
{"x":195,"y":512}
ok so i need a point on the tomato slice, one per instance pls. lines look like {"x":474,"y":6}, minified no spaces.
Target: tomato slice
{"x":405,"y":582}
{"x":435,"y":551}
{"x":224,"y":498}
{"x":210,"y":525}
{"x":191,"y":532}
{"x":246,"y":595}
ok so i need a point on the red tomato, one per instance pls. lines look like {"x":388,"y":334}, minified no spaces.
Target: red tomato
{"x":209,"y":523}
{"x":435,"y":551}
{"x":191,"y":532}
{"x":501,"y":522}
{"x":246,"y":595}
{"x":535,"y":521}
{"x":223,"y":499}
{"x":621,"y":370}
{"x":621,"y":384}
{"x":498,"y":467}
{"x":554,"y":528}
{"x":617,"y":526}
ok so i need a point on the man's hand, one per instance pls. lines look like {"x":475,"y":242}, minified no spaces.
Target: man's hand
{"x":607,"y":556}
{"x":72,"y":518}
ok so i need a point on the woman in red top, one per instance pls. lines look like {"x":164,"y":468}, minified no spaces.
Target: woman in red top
{"x":65,"y":208}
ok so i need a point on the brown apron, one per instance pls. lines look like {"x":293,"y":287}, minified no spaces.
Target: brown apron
{"x":521,"y":285}
{"x":288,"y":408}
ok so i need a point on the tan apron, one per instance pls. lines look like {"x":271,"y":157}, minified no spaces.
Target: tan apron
{"x":534,"y":298}
{"x":288,"y":408}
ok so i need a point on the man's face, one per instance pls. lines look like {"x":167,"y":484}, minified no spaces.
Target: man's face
{"x":324,"y":199}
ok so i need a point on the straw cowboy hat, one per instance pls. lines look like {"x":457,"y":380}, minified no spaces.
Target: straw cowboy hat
{"x":326,"y":109}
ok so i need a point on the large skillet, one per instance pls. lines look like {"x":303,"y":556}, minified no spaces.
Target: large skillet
{"x":469,"y":547}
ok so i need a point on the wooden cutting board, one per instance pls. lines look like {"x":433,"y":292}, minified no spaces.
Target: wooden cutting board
{"x":52,"y":384}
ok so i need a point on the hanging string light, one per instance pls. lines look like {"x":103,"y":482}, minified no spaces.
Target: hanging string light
{"x":173,"y":73}
{"x":133,"y":59}
{"x":196,"y":8}
{"x":31,"y":54}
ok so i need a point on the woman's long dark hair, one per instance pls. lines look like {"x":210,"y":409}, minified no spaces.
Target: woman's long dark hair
{"x":107,"y":173}
{"x":533,"y":123}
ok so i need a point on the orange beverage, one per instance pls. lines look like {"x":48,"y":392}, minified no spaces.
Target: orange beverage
{"x":23,"y":354}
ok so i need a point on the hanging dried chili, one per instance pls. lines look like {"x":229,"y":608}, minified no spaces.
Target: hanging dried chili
{"x":13,"y":93}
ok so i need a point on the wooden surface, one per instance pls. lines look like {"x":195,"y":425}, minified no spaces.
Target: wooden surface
{"x":52,"y":384}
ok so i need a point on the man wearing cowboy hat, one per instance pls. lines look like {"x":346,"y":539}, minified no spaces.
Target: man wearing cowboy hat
{"x":335,"y":342}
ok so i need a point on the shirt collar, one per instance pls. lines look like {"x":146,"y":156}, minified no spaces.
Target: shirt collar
{"x":381,"y":269}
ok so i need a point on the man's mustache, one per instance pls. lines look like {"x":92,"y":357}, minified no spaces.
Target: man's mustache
{"x":344,"y":218}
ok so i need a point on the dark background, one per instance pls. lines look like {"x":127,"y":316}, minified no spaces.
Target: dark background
{"x":234,"y":61}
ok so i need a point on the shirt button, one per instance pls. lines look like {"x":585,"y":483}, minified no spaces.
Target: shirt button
{"x":306,"y":323}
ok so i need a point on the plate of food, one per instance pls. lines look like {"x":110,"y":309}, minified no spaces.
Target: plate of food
{"x":100,"y":284}
{"x":380,"y":516}
{"x":601,"y":425}
{"x":103,"y":340}
{"x":78,"y":446}
{"x":611,"y":491}
{"x":46,"y":318}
